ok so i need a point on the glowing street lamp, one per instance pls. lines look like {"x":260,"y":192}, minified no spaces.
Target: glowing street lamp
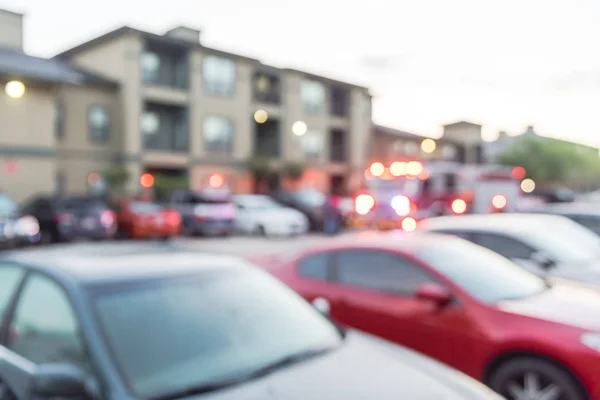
{"x":428,"y":146}
{"x":261,"y":116}
{"x":15,"y":89}
{"x":299,"y":128}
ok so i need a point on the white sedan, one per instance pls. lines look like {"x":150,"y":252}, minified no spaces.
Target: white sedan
{"x":261,"y":215}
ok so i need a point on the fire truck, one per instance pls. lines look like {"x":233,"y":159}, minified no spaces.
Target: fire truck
{"x":397,"y":195}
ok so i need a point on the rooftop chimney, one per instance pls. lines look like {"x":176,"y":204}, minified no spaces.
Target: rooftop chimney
{"x":184,"y":33}
{"x":11,"y":30}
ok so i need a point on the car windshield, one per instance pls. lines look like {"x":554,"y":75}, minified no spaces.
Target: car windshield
{"x":81,"y":203}
{"x":257,"y":202}
{"x":565,"y":241}
{"x":140,"y":207}
{"x":311,"y":198}
{"x":7,"y":206}
{"x":483,"y":274}
{"x":173,"y":335}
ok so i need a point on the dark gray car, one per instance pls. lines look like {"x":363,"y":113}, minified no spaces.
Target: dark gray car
{"x":111,"y":321}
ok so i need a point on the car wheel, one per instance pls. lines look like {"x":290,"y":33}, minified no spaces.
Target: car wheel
{"x":535,"y":379}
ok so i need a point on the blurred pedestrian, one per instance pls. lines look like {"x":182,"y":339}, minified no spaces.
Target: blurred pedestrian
{"x":332,"y":219}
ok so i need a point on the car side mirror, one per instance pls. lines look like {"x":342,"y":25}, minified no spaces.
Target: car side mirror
{"x":51,"y":381}
{"x":322,"y":305}
{"x":543,"y":260}
{"x":434,"y":293}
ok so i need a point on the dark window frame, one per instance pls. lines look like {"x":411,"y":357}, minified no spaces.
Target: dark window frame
{"x":475,"y":239}
{"x":208,"y":86}
{"x":229,"y":146}
{"x":95,"y":134}
{"x":329,"y":267}
{"x":401,"y":258}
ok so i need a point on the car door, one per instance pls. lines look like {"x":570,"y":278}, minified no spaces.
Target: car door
{"x":11,"y":278}
{"x":511,"y":248}
{"x":378,"y":296}
{"x":40,"y":327}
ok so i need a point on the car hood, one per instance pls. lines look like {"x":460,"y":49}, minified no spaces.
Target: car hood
{"x":566,"y":303}
{"x":364,"y":368}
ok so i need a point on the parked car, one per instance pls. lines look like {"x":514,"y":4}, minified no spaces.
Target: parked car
{"x":585,"y":214}
{"x":261,"y":215}
{"x":69,"y":218}
{"x":461,"y":304}
{"x":311,"y":203}
{"x":104,"y":321}
{"x":145,"y":220}
{"x":16,"y":229}
{"x":547,"y":245}
{"x":208,"y":212}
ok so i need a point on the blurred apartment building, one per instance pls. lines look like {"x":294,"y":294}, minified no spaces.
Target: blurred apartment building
{"x":167,"y":104}
{"x":461,"y":142}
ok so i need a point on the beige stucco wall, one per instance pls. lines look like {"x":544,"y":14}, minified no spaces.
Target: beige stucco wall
{"x":118,"y":59}
{"x":237,"y":108}
{"x":31,"y":176}
{"x":19,"y":128}
{"x":11,"y":30}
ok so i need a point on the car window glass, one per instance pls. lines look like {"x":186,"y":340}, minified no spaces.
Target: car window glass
{"x":314,"y":267}
{"x":10,"y":277}
{"x":505,"y":246}
{"x":44,"y":328}
{"x":589,"y":222}
{"x":379,"y":271}
{"x":461,"y":234}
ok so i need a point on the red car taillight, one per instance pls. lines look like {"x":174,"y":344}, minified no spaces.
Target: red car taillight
{"x":107,"y":218}
{"x":459,"y":206}
{"x":173,"y":218}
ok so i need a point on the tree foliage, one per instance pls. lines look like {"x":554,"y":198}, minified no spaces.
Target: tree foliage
{"x":550,"y":161}
{"x":117,"y":177}
{"x":293,"y":170}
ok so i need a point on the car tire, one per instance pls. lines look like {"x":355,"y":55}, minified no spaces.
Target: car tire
{"x":535,"y":374}
{"x":260,"y":230}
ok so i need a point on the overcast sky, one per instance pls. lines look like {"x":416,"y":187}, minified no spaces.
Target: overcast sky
{"x":506,"y":64}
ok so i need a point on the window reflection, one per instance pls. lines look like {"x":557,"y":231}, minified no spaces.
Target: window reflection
{"x":313,"y":96}
{"x":218,"y":134}
{"x":219,"y":76}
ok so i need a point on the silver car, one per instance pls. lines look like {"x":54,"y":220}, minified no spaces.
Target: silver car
{"x":547,"y":245}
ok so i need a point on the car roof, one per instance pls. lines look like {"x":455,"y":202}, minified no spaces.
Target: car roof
{"x":410,"y":243}
{"x":505,"y":223}
{"x":112,"y":262}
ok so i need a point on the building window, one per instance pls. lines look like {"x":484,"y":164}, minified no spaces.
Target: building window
{"x":59,"y":119}
{"x":219,"y":76}
{"x":165,"y":128}
{"x":313,"y":96}
{"x":313,"y":143}
{"x":99,"y":123}
{"x":218,"y":134}
{"x":448,"y":152}
{"x":150,"y":66}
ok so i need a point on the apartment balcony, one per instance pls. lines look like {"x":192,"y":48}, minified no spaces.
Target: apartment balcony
{"x":266,"y":88}
{"x":165,"y":128}
{"x":339,"y":101}
{"x":338,"y":146}
{"x":165,"y":74}
{"x":267,"y":139}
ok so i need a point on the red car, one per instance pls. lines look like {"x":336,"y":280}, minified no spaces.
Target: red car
{"x":462,"y":304}
{"x":145,"y":220}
